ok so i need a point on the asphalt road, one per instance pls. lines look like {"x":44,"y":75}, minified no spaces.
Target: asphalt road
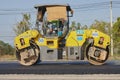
{"x":82,"y":67}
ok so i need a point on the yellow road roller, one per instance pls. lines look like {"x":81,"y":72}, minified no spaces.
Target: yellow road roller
{"x":51,"y":39}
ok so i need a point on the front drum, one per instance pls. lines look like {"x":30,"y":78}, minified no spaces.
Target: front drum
{"x":96,"y":56}
{"x":28,"y":56}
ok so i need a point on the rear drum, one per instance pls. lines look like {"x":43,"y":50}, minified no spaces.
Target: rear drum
{"x":96,"y":56}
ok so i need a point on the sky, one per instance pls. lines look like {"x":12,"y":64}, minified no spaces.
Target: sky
{"x":85,"y":12}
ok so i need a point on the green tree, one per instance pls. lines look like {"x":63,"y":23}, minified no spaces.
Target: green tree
{"x":85,"y":27}
{"x":6,"y":49}
{"x":116,"y":35}
{"x":116,"y":30}
{"x":23,"y":25}
{"x":73,"y":25}
{"x":78,"y":25}
{"x":101,"y":26}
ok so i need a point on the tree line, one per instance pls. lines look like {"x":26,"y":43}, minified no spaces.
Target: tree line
{"x":6,"y":49}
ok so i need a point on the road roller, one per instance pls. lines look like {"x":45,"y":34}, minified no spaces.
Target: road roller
{"x":52,"y":40}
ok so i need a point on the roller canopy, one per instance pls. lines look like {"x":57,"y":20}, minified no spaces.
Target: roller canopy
{"x":53,"y":5}
{"x":53,"y":12}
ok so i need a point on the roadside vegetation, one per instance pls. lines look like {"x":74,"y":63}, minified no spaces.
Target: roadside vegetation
{"x":6,"y":51}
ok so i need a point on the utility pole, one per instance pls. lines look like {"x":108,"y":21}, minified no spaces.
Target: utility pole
{"x":111,"y":27}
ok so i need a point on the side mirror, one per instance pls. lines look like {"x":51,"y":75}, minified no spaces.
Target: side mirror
{"x":71,"y":13}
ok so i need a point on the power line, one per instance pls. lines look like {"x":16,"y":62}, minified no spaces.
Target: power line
{"x":89,"y":6}
{"x":82,"y":7}
{"x":17,"y":9}
{"x":7,"y":36}
{"x":92,"y":4}
{"x":79,"y":10}
{"x":17,"y":13}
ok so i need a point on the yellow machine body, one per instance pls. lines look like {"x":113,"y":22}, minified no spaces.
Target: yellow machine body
{"x":79,"y":37}
{"x":74,"y":39}
{"x":54,"y":41}
{"x":22,"y":41}
{"x":49,"y":42}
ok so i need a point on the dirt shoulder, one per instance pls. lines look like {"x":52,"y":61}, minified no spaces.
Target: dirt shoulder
{"x":7,"y":57}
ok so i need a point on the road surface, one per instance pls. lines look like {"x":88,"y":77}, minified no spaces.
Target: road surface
{"x":82,"y":67}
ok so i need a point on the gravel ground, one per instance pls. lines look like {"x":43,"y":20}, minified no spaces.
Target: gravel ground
{"x":60,"y":77}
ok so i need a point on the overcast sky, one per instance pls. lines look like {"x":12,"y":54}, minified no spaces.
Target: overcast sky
{"x":85,"y":12}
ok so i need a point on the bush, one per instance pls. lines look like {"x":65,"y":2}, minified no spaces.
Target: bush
{"x":6,"y":49}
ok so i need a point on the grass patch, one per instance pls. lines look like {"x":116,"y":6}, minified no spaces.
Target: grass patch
{"x":7,"y":57}
{"x":116,"y":56}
